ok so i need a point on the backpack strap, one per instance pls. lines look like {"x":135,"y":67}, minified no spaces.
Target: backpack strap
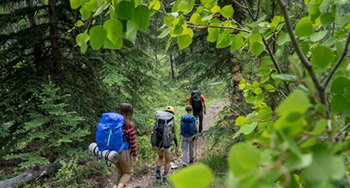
{"x":106,"y":158}
{"x":109,"y":136}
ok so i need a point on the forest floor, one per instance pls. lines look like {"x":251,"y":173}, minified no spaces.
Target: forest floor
{"x":145,"y":177}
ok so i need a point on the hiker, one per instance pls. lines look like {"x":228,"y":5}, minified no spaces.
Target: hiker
{"x":197,"y":102}
{"x":189,"y":127}
{"x":162,"y":140}
{"x":124,"y":165}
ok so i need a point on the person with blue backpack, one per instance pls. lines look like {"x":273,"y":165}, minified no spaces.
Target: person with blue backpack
{"x":124,"y":165}
{"x":189,"y":127}
{"x":116,"y":140}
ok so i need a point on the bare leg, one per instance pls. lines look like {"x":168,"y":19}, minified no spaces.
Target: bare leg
{"x":167,"y":161}
{"x":160,"y":158}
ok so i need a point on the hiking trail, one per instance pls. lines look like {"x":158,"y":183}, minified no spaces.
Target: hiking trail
{"x":145,"y":178}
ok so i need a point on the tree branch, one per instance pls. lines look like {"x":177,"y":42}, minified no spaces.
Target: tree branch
{"x":330,"y":75}
{"x":336,"y":136}
{"x":257,"y":11}
{"x":213,"y":26}
{"x":240,"y":5}
{"x":275,"y":63}
{"x":301,"y":55}
{"x":250,"y":12}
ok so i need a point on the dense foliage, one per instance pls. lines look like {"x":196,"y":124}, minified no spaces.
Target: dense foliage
{"x":52,"y":96}
{"x":298,"y":95}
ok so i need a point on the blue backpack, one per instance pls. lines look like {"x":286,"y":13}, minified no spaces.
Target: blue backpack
{"x":109,"y":133}
{"x":188,"y":127}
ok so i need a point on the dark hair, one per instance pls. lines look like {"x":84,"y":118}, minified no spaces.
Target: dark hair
{"x":188,"y":108}
{"x":126,"y":109}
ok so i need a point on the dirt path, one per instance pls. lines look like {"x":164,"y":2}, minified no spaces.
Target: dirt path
{"x":146,"y":179}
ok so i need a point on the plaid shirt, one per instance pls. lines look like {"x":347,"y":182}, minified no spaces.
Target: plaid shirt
{"x":130,"y":135}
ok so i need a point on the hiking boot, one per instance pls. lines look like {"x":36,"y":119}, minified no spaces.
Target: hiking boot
{"x":158,"y":177}
{"x":184,"y":165}
{"x":165,"y":179}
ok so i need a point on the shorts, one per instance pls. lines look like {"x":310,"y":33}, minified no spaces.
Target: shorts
{"x":166,"y":150}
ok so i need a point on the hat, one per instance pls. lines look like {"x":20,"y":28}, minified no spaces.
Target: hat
{"x":170,"y":109}
{"x":188,"y":108}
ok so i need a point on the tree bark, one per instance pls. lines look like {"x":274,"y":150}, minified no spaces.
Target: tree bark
{"x":30,"y":175}
{"x":172,"y":75}
{"x":54,"y":37}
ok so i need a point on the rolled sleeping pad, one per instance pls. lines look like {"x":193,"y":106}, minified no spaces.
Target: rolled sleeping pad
{"x":108,"y":155}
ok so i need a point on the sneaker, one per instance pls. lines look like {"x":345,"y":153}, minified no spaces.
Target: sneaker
{"x":184,"y":165}
{"x":165,"y":179}
{"x":158,"y":177}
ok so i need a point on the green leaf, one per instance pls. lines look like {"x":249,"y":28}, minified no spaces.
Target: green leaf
{"x":168,"y":20}
{"x":339,"y":84}
{"x":196,"y":19}
{"x":325,"y":5}
{"x":194,"y":176}
{"x":318,"y":36}
{"x":269,"y":88}
{"x":314,"y":11}
{"x":169,"y":43}
{"x":299,"y":162}
{"x":237,"y":42}
{"x":79,"y":38}
{"x":338,"y":104}
{"x":283,"y":39}
{"x":79,"y":23}
{"x":154,"y":5}
{"x":266,"y":60}
{"x":320,"y":127}
{"x":131,"y":30}
{"x":265,"y":113}
{"x":113,"y":46}
{"x":227,"y":11}
{"x":243,"y":158}
{"x":84,"y":40}
{"x":276,"y":21}
{"x":223,"y":40}
{"x":255,"y":37}
{"x":264,"y":70}
{"x":304,"y":28}
{"x":142,"y":17}
{"x":98,"y":35}
{"x":75,"y":4}
{"x":257,"y":90}
{"x":286,"y":77}
{"x":324,"y":168}
{"x":256,"y":48}
{"x":241,"y":120}
{"x":125,"y":10}
{"x":100,"y":9}
{"x":327,"y":19}
{"x":297,"y":102}
{"x":184,"y":6}
{"x":184,"y":41}
{"x":213,"y":34}
{"x":248,"y":128}
{"x":322,"y":57}
{"x":164,"y":33}
{"x":341,"y":2}
{"x":215,"y":9}
{"x":114,"y":29}
{"x":85,"y":13}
